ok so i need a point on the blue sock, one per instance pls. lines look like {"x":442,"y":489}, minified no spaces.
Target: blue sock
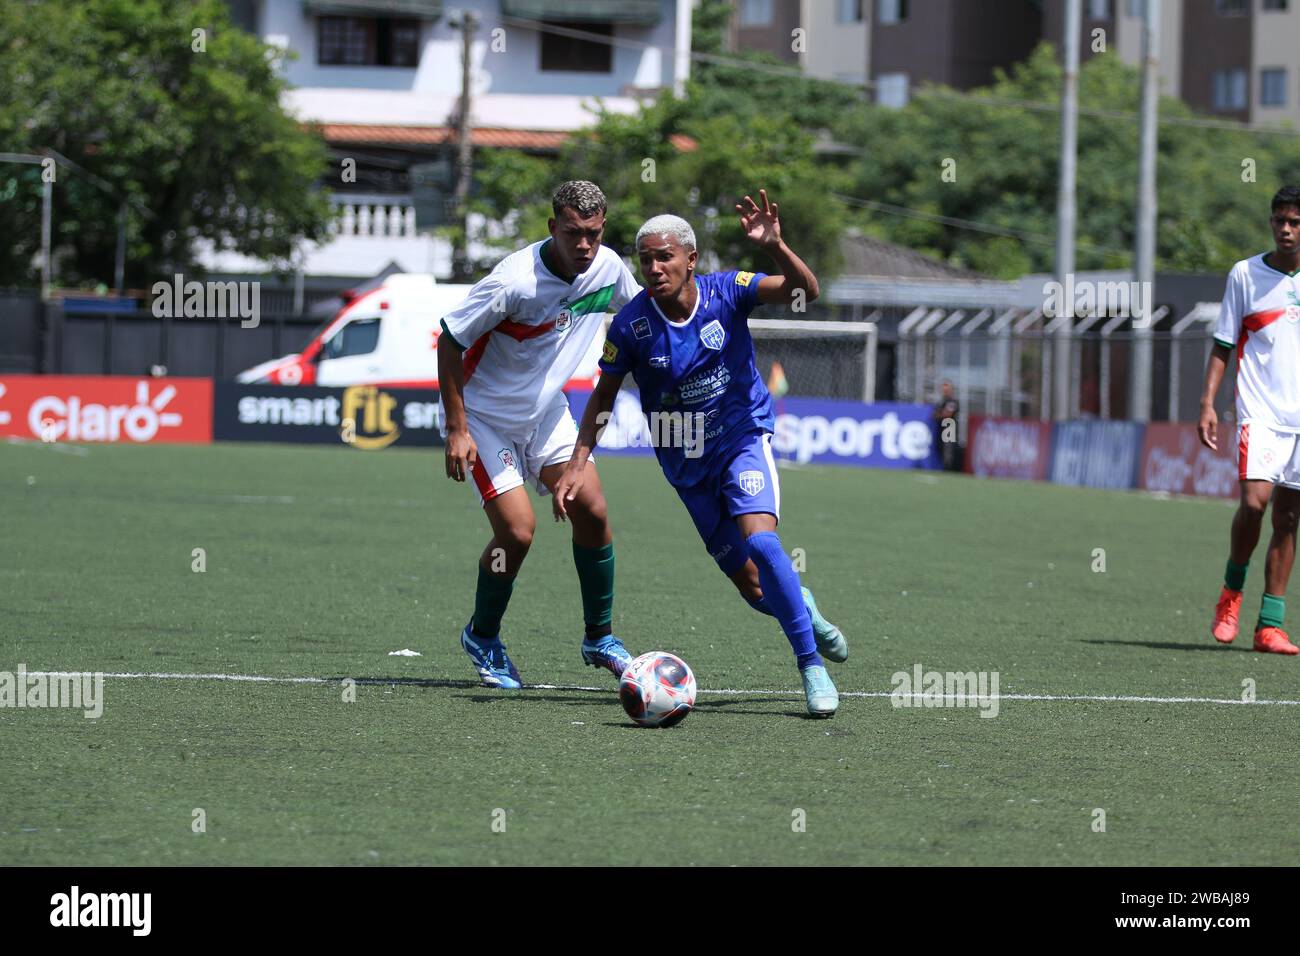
{"x":781,"y":593}
{"x":760,"y":605}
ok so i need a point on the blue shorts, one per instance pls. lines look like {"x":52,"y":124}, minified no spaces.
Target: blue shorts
{"x":744,"y":482}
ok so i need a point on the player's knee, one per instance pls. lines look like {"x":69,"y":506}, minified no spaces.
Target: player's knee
{"x":592,"y":512}
{"x":1254,"y":506}
{"x":518,"y":536}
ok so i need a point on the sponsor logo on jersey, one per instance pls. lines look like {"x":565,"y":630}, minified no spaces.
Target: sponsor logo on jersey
{"x":751,"y":482}
{"x":641,"y":328}
{"x":507,"y":458}
{"x":712,"y":336}
{"x":744,"y":278}
{"x":705,"y":386}
{"x":660,"y":361}
{"x":611,"y":351}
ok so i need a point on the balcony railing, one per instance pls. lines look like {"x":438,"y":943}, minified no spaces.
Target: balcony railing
{"x":374,"y":216}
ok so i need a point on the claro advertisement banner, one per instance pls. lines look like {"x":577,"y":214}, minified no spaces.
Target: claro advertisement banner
{"x":1008,"y":448}
{"x":97,"y":408}
{"x":366,"y":417}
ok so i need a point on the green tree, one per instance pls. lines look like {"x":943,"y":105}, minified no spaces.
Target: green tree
{"x":199,"y":138}
{"x":1006,"y":173}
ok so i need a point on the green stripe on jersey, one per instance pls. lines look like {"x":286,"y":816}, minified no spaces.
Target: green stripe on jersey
{"x":597,"y":301}
{"x":1226,"y":345}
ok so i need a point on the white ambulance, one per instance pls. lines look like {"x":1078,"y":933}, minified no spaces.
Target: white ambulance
{"x":386,"y":336}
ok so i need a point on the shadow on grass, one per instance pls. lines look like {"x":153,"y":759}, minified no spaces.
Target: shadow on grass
{"x":1170,"y":646}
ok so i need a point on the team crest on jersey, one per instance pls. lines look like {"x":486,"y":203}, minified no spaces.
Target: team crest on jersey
{"x":507,"y":457}
{"x":641,"y":328}
{"x":751,"y":482}
{"x":712,"y":336}
{"x":564,"y":318}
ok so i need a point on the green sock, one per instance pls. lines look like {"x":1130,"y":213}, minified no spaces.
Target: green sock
{"x":596,"y":581}
{"x":1235,"y":577}
{"x":490,"y":600}
{"x":1272,"y":610}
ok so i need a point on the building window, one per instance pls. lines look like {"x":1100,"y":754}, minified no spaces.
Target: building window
{"x":363,"y":41}
{"x":1231,"y":8}
{"x":1098,"y":9}
{"x":1272,"y":87}
{"x":1278,"y":5}
{"x":755,"y":13}
{"x":1230,"y":89}
{"x":892,"y":11}
{"x":568,"y":54}
{"x":891,"y":90}
{"x":848,"y":11}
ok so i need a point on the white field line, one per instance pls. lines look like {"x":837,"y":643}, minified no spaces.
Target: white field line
{"x":721,"y":692}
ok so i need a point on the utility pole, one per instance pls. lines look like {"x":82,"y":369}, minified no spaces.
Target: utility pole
{"x":1065,"y":210}
{"x":468,"y":22}
{"x":1144,"y":253}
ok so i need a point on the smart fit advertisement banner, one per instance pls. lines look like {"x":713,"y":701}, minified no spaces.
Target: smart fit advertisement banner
{"x":99,"y":408}
{"x":1008,"y":448}
{"x":365,"y":417}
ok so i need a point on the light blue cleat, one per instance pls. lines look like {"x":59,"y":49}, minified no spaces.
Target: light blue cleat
{"x":823,"y":698}
{"x":607,"y":652}
{"x":495,"y":669}
{"x":830,"y":642}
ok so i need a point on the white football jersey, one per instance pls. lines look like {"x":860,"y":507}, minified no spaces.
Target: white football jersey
{"x":1260,"y":318}
{"x":525,"y":331}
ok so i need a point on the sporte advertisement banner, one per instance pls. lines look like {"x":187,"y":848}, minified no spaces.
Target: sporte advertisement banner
{"x":1008,"y":447}
{"x":1097,"y":454}
{"x":1174,"y":460}
{"x":882,"y":435}
{"x":367,"y":417}
{"x":103,"y":408}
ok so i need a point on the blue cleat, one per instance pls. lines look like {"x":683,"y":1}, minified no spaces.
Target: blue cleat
{"x":607,"y":652}
{"x":830,"y":642}
{"x":495,"y":669}
{"x":823,"y":699}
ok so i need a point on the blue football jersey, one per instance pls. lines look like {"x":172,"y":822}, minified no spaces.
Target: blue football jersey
{"x":702,"y":368}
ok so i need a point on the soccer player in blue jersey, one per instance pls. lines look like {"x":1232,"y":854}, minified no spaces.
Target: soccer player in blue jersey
{"x":686,"y":341}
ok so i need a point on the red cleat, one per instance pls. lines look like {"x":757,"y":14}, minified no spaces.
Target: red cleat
{"x":1274,"y":640}
{"x":1225,"y":616}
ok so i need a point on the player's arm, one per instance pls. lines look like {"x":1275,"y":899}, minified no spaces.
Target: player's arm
{"x":594,"y":419}
{"x":762,"y":227}
{"x":1226,"y":330}
{"x":480,"y":312}
{"x":1208,"y":427}
{"x":461,"y":450}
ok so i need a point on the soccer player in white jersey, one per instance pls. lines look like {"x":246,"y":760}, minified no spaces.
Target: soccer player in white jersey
{"x":1260,"y":318}
{"x":504,"y":357}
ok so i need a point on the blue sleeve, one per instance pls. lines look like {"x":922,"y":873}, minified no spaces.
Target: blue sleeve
{"x":617,"y":358}
{"x":741,"y":290}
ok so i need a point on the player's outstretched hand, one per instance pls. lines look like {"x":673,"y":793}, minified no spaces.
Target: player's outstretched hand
{"x":567,"y":488}
{"x":762,"y":225}
{"x":1208,"y":428}
{"x":461,"y":454}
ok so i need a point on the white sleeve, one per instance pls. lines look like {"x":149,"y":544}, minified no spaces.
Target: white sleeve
{"x":489,"y":301}
{"x":1228,"y":328}
{"x":627,"y":288}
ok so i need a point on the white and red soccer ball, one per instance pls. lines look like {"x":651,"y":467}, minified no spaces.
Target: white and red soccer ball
{"x":657,"y":689}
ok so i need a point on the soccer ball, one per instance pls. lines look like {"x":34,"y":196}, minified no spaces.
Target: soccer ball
{"x":657,"y":689}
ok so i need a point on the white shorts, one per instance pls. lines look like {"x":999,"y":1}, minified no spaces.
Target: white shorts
{"x":1266,"y":454}
{"x":505,"y":461}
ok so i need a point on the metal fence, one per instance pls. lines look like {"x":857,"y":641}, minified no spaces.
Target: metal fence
{"x":1001,"y":362}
